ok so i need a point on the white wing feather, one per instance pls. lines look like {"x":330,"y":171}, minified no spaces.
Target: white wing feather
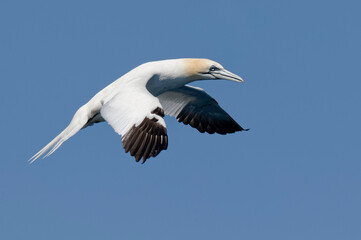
{"x":138,"y":117}
{"x":129,"y":108}
{"x":174,"y":101}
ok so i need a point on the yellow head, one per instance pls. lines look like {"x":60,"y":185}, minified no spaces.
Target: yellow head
{"x":199,"y":68}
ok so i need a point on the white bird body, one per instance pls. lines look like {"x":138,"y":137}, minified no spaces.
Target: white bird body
{"x":134,"y":105}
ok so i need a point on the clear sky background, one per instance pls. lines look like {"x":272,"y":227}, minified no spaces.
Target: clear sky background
{"x":295,"y":175}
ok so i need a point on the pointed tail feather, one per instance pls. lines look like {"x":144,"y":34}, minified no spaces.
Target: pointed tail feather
{"x":51,"y":147}
{"x":46,"y":148}
{"x":79,"y":120}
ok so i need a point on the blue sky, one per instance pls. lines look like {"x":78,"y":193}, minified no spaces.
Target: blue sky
{"x":294,"y":175}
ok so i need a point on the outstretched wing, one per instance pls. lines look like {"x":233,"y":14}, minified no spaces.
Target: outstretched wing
{"x":138,"y":118}
{"x":193,"y":106}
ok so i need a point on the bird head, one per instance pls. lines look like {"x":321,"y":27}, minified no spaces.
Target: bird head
{"x":201,"y":69}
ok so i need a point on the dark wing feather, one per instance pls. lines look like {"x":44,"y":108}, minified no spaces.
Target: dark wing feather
{"x":146,"y":140}
{"x":195,"y":107}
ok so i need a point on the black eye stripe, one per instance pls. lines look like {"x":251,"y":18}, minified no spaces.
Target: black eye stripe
{"x":213,"y":68}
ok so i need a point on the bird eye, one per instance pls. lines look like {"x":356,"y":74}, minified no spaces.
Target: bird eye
{"x":213,"y":68}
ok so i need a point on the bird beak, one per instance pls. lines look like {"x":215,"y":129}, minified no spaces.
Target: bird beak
{"x":227,"y":75}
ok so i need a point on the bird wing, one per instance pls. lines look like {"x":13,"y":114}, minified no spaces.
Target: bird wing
{"x":138,"y":117}
{"x":193,"y":106}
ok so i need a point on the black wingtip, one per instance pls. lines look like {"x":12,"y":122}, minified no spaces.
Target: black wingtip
{"x":146,"y":140}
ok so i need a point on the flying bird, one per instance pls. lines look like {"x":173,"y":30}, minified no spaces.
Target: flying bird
{"x":135,"y":104}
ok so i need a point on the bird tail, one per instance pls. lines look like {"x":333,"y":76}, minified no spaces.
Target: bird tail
{"x":79,"y":120}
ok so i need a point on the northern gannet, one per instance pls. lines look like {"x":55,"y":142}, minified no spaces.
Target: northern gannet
{"x":135,"y":104}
